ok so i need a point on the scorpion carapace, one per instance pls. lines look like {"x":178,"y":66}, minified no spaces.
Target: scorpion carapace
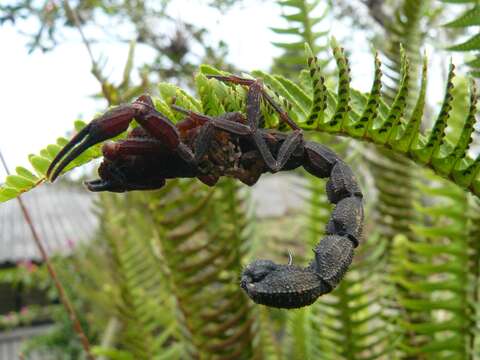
{"x":234,"y":145}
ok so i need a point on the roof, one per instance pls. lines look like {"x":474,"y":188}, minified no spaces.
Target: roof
{"x":279,"y":195}
{"x":62,"y":214}
{"x":11,"y":342}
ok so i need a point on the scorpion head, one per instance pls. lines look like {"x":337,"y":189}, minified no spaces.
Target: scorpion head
{"x":256,"y":272}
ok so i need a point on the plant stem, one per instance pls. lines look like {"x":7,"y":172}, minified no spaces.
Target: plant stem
{"x":61,"y":291}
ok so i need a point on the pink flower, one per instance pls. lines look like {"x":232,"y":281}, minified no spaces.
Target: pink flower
{"x":27,"y":265}
{"x":70,"y":244}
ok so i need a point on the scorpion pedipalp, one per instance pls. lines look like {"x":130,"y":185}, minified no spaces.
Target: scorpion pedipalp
{"x":115,"y":122}
{"x":105,"y":127}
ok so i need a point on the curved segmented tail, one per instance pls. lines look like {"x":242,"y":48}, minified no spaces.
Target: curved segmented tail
{"x":290,"y":286}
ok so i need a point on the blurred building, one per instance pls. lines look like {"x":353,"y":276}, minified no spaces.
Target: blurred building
{"x":63,"y":217}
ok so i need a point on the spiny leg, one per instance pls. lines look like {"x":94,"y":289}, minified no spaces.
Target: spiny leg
{"x":231,"y":122}
{"x":249,"y":82}
{"x":234,"y":123}
{"x":255,"y":93}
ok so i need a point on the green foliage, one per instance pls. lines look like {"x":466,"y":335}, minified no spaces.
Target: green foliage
{"x":25,"y":180}
{"x":174,"y":255}
{"x":120,"y":289}
{"x":27,"y":316}
{"x":439,"y":274}
{"x":142,"y":305}
{"x":342,"y":115}
{"x":202,"y":236}
{"x":403,"y":29}
{"x":465,"y":21}
{"x":303,"y":27}
{"x":394,"y":175}
{"x":60,"y":342}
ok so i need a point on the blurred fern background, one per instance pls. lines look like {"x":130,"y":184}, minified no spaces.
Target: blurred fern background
{"x":160,"y":279}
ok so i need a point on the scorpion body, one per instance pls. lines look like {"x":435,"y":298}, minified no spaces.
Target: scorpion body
{"x":234,"y":145}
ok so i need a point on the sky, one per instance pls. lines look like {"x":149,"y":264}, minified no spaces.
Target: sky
{"x":43,"y":93}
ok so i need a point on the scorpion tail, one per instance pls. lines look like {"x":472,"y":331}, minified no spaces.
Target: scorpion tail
{"x":290,"y":286}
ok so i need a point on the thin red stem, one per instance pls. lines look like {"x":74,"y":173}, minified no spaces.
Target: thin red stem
{"x":61,"y":291}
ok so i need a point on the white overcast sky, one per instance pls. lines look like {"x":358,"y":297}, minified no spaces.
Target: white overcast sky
{"x":42,"y":93}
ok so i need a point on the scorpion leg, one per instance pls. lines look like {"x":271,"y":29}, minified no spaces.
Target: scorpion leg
{"x":231,"y":122}
{"x":132,"y":147}
{"x":255,"y":92}
{"x":113,"y":123}
{"x":293,"y":140}
{"x":123,"y":166}
{"x":289,"y":286}
{"x":249,"y":82}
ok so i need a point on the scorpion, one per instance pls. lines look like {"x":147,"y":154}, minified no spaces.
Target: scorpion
{"x":232,"y":144}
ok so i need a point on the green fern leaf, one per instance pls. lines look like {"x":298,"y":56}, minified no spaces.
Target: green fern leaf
{"x":469,"y":45}
{"x":469,"y":18}
{"x":304,"y":26}
{"x":342,"y":112}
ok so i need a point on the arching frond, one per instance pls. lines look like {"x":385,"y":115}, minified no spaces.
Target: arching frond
{"x":304,"y":26}
{"x":342,"y":116}
{"x":469,"y":18}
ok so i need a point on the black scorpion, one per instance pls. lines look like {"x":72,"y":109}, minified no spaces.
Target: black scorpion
{"x":234,"y":145}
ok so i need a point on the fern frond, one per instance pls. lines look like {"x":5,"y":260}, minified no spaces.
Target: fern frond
{"x":142,"y":302}
{"x":469,"y":18}
{"x":24,"y":179}
{"x":436,"y":274}
{"x":202,"y":236}
{"x":393,"y":175}
{"x":342,"y":116}
{"x":403,"y":30}
{"x":303,"y":26}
